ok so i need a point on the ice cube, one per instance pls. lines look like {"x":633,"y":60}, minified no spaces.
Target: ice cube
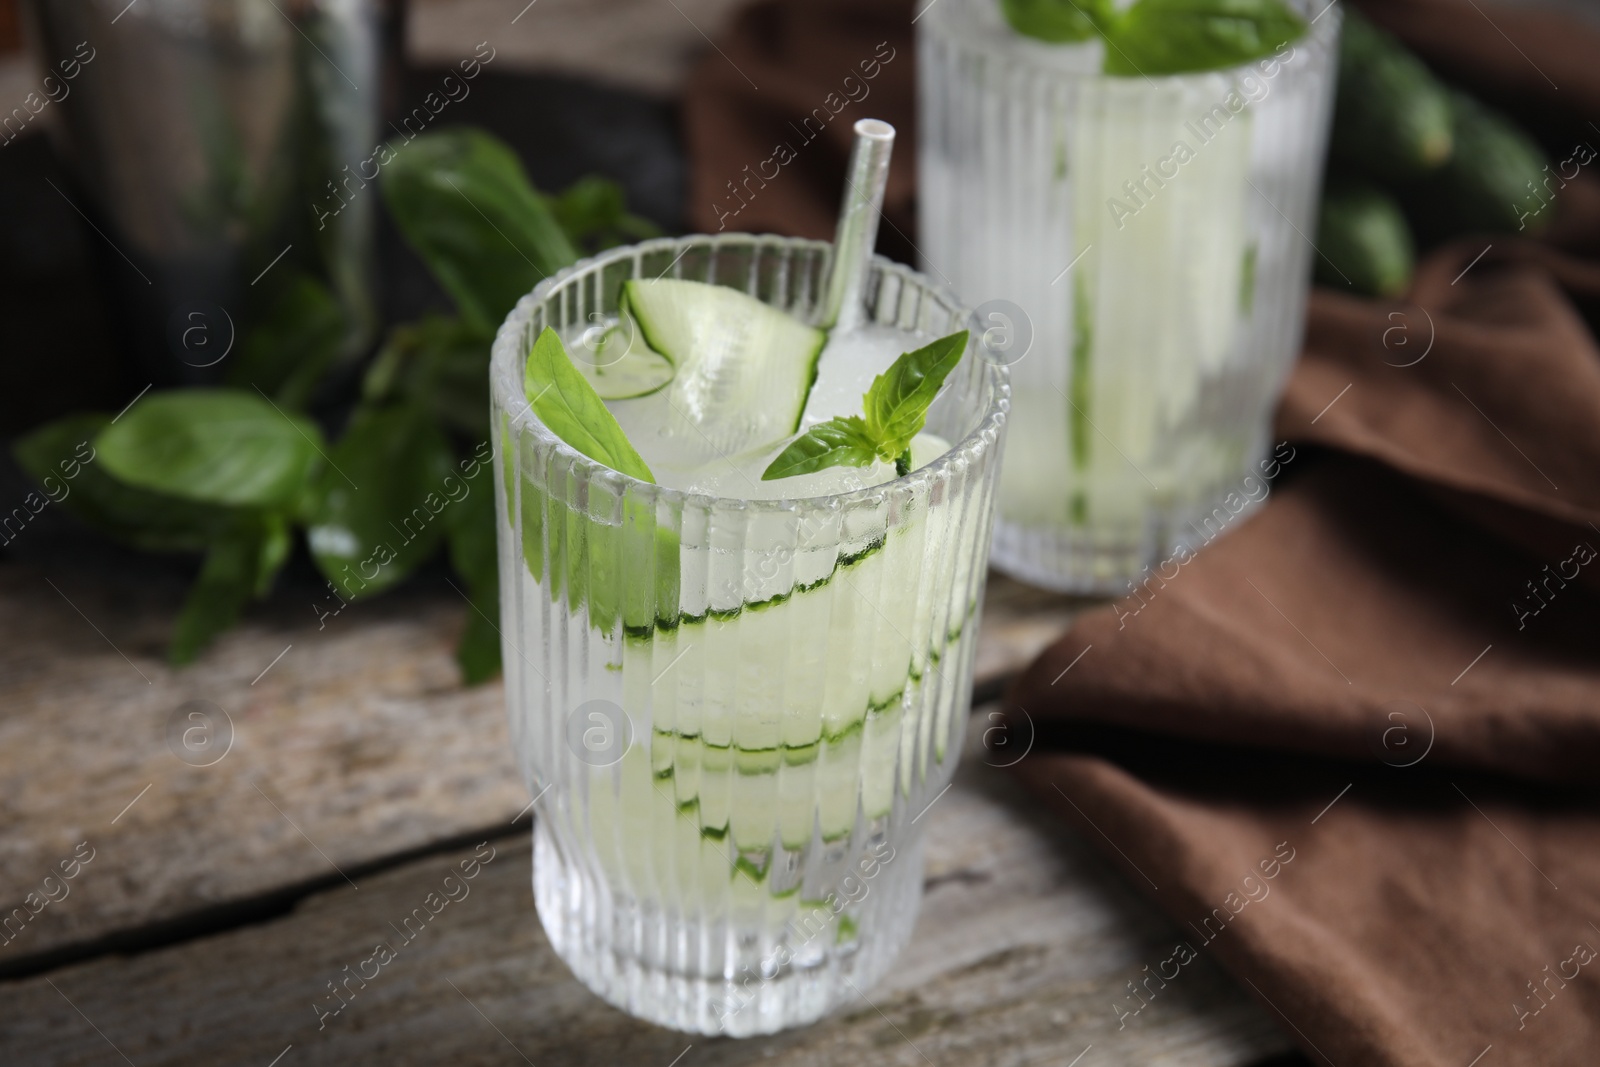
{"x":740,"y":476}
{"x":847,"y":366}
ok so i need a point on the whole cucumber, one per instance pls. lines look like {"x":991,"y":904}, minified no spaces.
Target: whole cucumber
{"x":1494,"y":184}
{"x":1392,"y":117}
{"x":1363,"y":242}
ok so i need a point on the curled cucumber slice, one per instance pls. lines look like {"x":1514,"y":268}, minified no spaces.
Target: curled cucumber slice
{"x":622,"y":366}
{"x":742,"y":369}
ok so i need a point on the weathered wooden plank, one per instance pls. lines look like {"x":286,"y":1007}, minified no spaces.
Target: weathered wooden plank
{"x":357,"y":744}
{"x":1024,"y":943}
{"x":352,"y":742}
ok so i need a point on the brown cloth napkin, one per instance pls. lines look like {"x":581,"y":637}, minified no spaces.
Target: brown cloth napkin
{"x":1352,"y":746}
{"x":768,"y":118}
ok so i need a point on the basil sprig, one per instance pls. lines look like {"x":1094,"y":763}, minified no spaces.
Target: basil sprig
{"x":230,"y":473}
{"x":463,"y":202}
{"x":896,"y":409}
{"x":844,"y":441}
{"x":1057,"y":21}
{"x":1159,"y":37}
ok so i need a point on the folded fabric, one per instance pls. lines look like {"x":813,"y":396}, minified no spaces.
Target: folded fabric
{"x":1325,"y":747}
{"x":1353,"y":745}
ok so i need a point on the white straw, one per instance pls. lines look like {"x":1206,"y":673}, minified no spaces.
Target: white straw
{"x":859,"y":211}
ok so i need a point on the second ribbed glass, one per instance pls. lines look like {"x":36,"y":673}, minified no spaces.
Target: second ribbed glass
{"x":1150,"y":238}
{"x":732,"y":713}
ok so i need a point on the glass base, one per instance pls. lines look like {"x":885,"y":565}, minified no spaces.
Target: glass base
{"x":1069,"y":560}
{"x":650,"y":963}
{"x":1091,"y":561}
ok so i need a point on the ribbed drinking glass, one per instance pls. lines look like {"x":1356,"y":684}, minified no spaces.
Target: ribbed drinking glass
{"x":1145,"y":247}
{"x":731,"y":712}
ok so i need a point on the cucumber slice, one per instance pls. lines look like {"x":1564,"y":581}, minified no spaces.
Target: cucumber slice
{"x":623,"y":366}
{"x":743,"y":369}
{"x":691,"y":824}
{"x":1177,"y":245}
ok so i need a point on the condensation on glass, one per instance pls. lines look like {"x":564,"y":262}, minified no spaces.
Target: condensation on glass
{"x":732,"y":712}
{"x":1155,"y":235}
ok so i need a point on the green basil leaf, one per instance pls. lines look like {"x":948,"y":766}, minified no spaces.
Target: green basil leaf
{"x":1155,"y":37}
{"x":229,"y":576}
{"x":218,"y":446}
{"x":566,"y":403}
{"x":437,"y":362}
{"x":376,"y":509}
{"x":844,"y":441}
{"x":478,"y":648}
{"x":277,"y":538}
{"x":61,"y":457}
{"x":294,"y":344}
{"x":470,"y":523}
{"x":897,"y":403}
{"x":463,"y":202}
{"x":628,"y":574}
{"x":594,"y":213}
{"x":1057,"y":21}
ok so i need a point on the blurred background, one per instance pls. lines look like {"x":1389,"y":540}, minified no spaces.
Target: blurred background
{"x":586,"y":88}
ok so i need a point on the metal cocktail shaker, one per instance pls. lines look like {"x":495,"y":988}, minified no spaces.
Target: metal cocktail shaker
{"x":205,"y":137}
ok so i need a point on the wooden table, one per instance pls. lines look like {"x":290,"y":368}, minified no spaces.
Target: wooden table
{"x":220,"y":900}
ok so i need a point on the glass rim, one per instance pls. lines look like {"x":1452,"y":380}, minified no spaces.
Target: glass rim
{"x":508,"y":355}
{"x":947,"y":26}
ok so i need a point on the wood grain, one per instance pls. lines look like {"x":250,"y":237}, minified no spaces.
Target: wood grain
{"x":1024,"y":942}
{"x":353,"y":742}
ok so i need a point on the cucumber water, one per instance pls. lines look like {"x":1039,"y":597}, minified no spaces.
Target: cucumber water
{"x":785,"y":663}
{"x":1145,"y":242}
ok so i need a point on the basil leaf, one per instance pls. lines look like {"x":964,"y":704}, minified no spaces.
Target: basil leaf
{"x":439,"y":363}
{"x":218,"y":446}
{"x":594,"y":213}
{"x":376,"y":506}
{"x":1058,"y":21}
{"x":897,"y":403}
{"x":61,"y":457}
{"x":470,"y":523}
{"x":470,"y":531}
{"x":897,"y":407}
{"x":1155,"y":37}
{"x":277,"y":539}
{"x":478,"y":648}
{"x":295,"y":343}
{"x":229,"y":576}
{"x":462,"y":200}
{"x":566,"y":403}
{"x":844,"y":441}
{"x":628,"y":573}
